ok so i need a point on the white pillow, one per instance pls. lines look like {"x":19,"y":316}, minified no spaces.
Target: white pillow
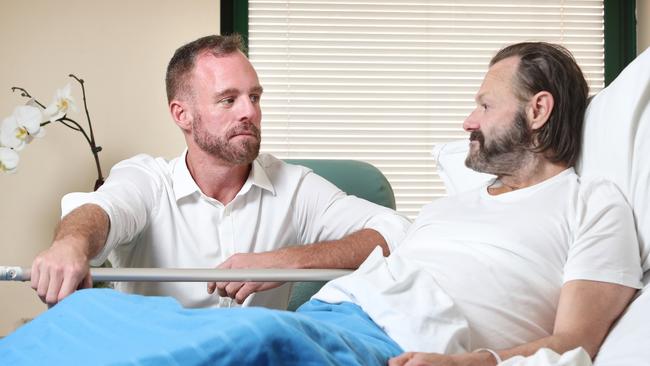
{"x":616,"y":142}
{"x":616,"y":137}
{"x":450,"y":159}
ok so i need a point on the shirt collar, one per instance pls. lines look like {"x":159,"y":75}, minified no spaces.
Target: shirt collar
{"x":259,"y":177}
{"x":184,"y":184}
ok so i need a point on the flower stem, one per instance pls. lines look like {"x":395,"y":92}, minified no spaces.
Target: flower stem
{"x":75,"y":126}
{"x":93,"y":146}
{"x":24,"y":93}
{"x":72,"y":124}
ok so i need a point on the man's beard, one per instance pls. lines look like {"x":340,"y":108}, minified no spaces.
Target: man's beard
{"x":221,"y":146}
{"x":504,"y":154}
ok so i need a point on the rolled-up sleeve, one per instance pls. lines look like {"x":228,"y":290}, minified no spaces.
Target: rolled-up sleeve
{"x":129,"y":197}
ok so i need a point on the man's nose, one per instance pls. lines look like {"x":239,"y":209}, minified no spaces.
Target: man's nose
{"x":247,"y":109}
{"x":471,"y":123}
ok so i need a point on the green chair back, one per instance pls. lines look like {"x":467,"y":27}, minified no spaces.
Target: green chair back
{"x":355,"y":178}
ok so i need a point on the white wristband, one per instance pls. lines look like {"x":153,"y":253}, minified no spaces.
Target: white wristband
{"x":493,"y":353}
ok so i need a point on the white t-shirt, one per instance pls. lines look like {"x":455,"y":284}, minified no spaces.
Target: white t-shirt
{"x":159,"y":218}
{"x":477,"y":270}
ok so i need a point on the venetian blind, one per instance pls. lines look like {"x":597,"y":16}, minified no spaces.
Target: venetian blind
{"x":383,"y":81}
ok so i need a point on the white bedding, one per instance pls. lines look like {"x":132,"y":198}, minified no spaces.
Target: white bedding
{"x":547,"y":357}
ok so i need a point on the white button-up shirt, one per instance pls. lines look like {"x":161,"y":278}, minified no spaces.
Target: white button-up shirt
{"x":159,"y":218}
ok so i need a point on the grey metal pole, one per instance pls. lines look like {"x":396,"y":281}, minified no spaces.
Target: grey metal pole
{"x":8,"y":273}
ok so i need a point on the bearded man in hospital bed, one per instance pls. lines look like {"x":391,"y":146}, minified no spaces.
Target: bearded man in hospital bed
{"x":536,"y":258}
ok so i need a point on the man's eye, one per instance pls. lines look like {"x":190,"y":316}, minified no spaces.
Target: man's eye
{"x":484,"y":106}
{"x":255,"y":98}
{"x":227,"y":101}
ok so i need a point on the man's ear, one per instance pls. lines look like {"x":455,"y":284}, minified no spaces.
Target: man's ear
{"x":181,"y":114}
{"x":539,"y":109}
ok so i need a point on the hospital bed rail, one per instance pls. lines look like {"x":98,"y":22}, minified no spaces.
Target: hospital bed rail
{"x":12,"y":273}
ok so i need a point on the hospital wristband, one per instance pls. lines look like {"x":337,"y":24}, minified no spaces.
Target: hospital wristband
{"x":493,"y":353}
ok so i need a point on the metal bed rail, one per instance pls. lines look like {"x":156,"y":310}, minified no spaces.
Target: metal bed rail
{"x":11,"y":273}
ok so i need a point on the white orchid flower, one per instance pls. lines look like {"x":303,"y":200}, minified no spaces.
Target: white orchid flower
{"x":12,"y":135}
{"x":30,"y":118}
{"x":21,"y":127}
{"x":8,"y":160}
{"x":62,"y":103}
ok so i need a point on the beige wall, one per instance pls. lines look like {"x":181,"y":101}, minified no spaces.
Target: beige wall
{"x":643,"y":25}
{"x":121,"y":49}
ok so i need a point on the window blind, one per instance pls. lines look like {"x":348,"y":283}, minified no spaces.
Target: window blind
{"x":384,"y":81}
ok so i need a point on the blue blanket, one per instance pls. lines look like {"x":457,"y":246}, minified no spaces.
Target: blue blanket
{"x":102,"y":327}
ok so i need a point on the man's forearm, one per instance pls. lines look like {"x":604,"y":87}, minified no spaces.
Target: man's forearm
{"x":87,"y":224}
{"x":559,"y":343}
{"x":586,"y":312}
{"x":348,"y":252}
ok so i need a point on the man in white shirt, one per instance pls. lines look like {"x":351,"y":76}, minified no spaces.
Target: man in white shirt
{"x":219,"y":203}
{"x":536,"y":258}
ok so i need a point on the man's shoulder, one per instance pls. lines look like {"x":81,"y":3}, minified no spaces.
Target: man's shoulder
{"x":596,"y":199}
{"x":599,"y":188}
{"x":146,"y":162}
{"x":144,"y":169}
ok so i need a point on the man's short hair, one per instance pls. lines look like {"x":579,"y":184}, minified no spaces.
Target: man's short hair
{"x":182,"y":63}
{"x":552,"y":68}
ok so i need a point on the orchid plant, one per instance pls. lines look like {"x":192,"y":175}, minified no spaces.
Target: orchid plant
{"x":27,"y":122}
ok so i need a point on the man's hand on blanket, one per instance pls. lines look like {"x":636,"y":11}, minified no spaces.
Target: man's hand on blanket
{"x":60,"y":270}
{"x":239,"y":291}
{"x":436,"y":359}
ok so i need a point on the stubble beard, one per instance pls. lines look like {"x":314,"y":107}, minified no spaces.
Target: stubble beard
{"x":221,"y":147}
{"x":504,"y":154}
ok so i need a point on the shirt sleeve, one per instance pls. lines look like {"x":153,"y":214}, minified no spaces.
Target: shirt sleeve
{"x":605,"y":246}
{"x":324,"y":212}
{"x":128,"y":197}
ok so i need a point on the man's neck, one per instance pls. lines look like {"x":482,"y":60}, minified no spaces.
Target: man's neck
{"x":535,"y":171}
{"x":216,"y":178}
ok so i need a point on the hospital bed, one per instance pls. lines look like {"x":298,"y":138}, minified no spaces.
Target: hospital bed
{"x":616,"y":146}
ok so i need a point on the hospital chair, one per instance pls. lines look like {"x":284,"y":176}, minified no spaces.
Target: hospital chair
{"x":354,"y":177}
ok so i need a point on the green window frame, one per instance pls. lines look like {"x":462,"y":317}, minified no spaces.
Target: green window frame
{"x":620,"y":36}
{"x":234,"y":18}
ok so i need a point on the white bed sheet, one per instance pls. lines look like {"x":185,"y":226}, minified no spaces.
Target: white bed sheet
{"x":547,"y":357}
